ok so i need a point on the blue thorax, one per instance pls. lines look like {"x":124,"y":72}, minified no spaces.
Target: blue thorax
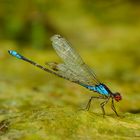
{"x":101,"y":88}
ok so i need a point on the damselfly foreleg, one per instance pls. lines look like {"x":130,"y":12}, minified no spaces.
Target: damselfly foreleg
{"x":113,"y":107}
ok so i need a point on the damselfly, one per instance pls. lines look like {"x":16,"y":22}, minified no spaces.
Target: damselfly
{"x":75,"y":70}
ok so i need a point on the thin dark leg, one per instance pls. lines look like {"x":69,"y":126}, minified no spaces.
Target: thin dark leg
{"x":89,"y":102}
{"x":103,"y":104}
{"x":113,"y":107}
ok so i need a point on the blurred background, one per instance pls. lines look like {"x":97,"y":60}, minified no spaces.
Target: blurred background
{"x":105,"y":33}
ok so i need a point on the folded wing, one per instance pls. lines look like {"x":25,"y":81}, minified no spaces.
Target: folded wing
{"x":73,"y":67}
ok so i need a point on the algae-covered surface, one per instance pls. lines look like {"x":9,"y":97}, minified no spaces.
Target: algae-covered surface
{"x":35,"y":105}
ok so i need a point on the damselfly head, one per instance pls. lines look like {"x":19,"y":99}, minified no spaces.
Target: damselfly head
{"x":117,"y":96}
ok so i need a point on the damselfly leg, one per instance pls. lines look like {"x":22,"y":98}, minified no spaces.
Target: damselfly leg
{"x":89,"y":102}
{"x":103,"y":104}
{"x":113,"y":107}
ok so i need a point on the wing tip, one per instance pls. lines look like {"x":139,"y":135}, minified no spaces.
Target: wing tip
{"x":55,"y":37}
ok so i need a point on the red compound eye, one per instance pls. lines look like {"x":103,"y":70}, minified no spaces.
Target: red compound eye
{"x":117,"y":97}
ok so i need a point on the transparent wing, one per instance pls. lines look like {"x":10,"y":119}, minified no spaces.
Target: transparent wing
{"x":73,"y":63}
{"x":65,"y":72}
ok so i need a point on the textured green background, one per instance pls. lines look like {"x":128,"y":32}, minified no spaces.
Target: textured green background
{"x":35,"y":105}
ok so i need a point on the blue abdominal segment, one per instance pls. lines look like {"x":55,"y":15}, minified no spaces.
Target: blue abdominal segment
{"x":101,"y":89}
{"x":14,"y":53}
